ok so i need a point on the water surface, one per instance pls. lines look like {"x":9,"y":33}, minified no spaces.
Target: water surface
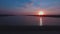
{"x":28,"y":20}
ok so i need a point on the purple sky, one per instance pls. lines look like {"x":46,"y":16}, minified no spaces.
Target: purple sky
{"x":29,"y":6}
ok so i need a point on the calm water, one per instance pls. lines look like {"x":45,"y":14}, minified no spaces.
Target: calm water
{"x":28,"y":20}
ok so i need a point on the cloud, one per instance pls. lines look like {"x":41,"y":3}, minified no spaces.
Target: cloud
{"x":17,"y":6}
{"x":32,"y":6}
{"x":28,"y":7}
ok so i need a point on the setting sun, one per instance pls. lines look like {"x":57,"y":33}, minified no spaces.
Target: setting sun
{"x":41,"y":13}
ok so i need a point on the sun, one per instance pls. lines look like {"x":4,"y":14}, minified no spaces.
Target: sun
{"x":41,"y":13}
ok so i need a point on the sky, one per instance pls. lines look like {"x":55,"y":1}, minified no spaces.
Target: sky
{"x":18,"y":7}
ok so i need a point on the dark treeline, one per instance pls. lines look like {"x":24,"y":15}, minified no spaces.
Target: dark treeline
{"x":45,"y":15}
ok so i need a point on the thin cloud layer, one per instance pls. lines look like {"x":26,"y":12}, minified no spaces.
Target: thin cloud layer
{"x":30,"y":6}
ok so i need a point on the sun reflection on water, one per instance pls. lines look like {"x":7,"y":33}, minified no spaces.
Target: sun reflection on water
{"x":41,"y":21}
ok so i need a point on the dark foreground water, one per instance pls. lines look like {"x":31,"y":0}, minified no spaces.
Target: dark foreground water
{"x":28,"y":20}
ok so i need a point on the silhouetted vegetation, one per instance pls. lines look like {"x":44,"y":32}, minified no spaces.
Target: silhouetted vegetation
{"x":57,"y":16}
